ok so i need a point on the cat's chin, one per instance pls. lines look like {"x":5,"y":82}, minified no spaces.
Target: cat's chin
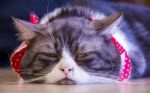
{"x":66,"y":81}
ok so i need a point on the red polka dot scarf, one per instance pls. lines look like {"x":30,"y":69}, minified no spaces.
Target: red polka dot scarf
{"x":126,"y":63}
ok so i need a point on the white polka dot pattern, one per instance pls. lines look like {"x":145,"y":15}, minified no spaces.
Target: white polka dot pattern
{"x":17,"y":56}
{"x":125,"y":73}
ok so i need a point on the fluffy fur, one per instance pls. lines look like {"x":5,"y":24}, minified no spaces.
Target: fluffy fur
{"x":67,"y":47}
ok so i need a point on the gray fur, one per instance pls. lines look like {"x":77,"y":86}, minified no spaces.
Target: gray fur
{"x":70,"y":29}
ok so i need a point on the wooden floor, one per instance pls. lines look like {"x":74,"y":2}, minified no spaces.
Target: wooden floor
{"x":8,"y":84}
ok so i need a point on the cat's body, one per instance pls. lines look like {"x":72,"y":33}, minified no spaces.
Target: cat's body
{"x":69,"y":47}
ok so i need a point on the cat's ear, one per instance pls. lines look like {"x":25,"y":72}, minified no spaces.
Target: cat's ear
{"x":107,"y":26}
{"x":26,"y":29}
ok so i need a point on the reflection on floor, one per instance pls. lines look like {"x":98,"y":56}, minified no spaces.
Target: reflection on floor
{"x":8,"y":84}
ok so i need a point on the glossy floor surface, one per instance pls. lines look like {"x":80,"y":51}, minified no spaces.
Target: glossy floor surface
{"x":8,"y":84}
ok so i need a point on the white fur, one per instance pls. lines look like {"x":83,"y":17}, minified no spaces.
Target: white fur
{"x":45,"y":19}
{"x":77,"y":74}
{"x":130,"y":48}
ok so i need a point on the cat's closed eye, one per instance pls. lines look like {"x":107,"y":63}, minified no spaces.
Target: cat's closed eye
{"x":48,"y":54}
{"x":82,"y":55}
{"x":44,"y":59}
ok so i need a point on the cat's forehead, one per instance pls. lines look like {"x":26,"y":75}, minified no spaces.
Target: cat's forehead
{"x":67,"y":34}
{"x":71,"y":28}
{"x":72,"y":22}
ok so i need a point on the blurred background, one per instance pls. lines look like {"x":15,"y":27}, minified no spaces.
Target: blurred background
{"x":22,"y":9}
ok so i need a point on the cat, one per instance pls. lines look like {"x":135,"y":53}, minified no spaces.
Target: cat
{"x":72,"y":44}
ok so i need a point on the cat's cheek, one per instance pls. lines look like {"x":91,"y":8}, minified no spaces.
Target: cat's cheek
{"x":54,"y":76}
{"x":83,"y":77}
{"x":80,"y":76}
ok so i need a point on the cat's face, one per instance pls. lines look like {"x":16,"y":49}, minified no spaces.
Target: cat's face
{"x":69,"y":51}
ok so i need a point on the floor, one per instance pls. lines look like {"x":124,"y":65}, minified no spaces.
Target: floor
{"x":8,"y":84}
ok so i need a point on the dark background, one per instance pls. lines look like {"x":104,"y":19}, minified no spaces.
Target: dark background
{"x":22,"y":9}
{"x":19,"y":9}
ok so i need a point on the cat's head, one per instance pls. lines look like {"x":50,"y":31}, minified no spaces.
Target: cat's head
{"x":72,"y":50}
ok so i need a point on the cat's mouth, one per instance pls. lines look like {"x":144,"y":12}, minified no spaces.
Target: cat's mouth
{"x":66,"y":81}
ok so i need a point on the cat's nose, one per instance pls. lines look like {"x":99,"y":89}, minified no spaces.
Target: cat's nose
{"x":66,"y":70}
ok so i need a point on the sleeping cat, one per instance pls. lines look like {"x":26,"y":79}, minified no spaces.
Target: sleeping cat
{"x":72,"y":44}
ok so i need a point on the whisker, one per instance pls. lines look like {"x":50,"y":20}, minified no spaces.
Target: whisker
{"x":34,"y":79}
{"x":104,"y":74}
{"x":111,"y":69}
{"x":47,"y":8}
{"x":105,"y":80}
{"x":31,"y":73}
